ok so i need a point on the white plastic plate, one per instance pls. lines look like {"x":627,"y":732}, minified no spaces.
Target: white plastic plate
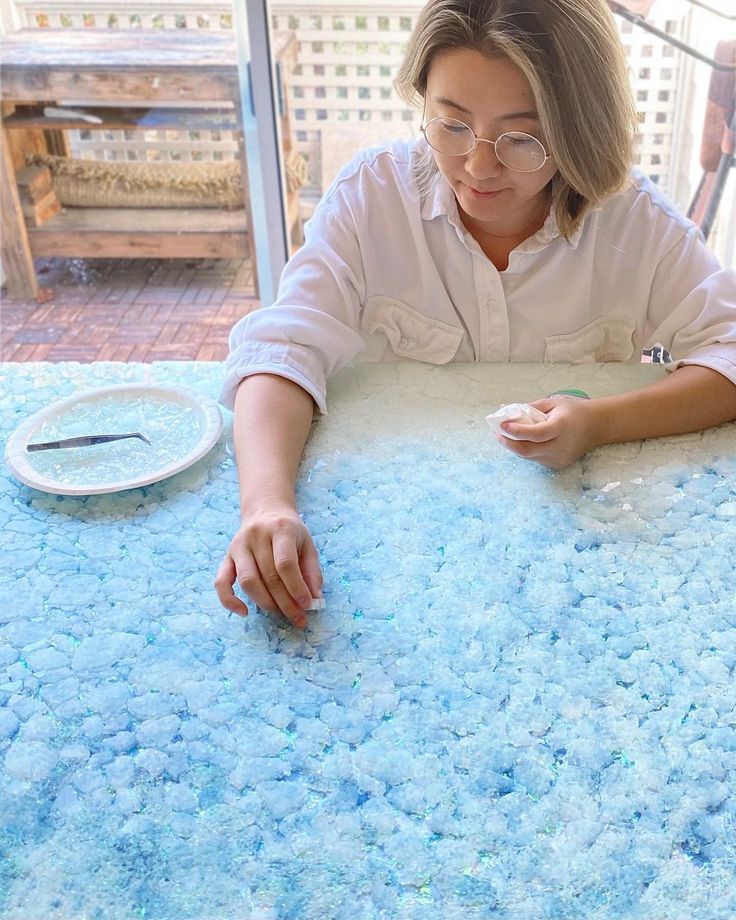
{"x":182,"y":427}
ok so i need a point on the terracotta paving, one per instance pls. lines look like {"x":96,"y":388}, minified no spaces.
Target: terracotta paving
{"x":128,"y":310}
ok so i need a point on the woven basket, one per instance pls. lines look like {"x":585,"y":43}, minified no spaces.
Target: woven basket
{"x":101,"y":184}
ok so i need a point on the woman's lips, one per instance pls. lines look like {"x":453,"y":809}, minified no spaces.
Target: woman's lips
{"x":476,"y":193}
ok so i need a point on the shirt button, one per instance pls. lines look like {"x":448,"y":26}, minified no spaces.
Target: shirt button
{"x":403,"y":342}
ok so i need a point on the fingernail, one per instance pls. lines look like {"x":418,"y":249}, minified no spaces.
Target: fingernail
{"x":304,"y":601}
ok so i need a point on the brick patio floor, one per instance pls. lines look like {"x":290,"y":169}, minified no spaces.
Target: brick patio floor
{"x":128,"y":310}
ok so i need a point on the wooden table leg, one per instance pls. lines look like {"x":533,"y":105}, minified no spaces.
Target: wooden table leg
{"x":16,"y":250}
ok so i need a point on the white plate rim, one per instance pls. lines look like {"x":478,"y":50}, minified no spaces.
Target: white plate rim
{"x":16,"y":455}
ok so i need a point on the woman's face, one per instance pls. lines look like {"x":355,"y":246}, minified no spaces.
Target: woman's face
{"x":492,"y":96}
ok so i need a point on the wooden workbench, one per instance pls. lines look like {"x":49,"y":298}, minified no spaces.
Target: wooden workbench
{"x":132,"y":80}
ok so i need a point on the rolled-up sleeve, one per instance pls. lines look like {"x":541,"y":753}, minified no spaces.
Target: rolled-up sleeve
{"x":692,"y":309}
{"x":312,"y":330}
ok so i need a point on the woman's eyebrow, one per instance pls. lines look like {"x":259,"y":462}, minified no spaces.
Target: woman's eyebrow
{"x":510,"y":116}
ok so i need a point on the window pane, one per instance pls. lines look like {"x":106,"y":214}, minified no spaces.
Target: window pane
{"x":339,"y":90}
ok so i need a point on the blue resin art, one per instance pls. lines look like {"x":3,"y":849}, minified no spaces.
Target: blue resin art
{"x":518,"y":704}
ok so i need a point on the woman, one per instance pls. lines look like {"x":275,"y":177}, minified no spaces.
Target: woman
{"x":511,"y":231}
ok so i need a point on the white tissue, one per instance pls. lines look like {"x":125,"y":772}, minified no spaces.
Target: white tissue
{"x":516,"y":412}
{"x":318,"y":603}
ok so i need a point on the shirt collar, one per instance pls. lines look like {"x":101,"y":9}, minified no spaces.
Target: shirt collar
{"x":440,"y":201}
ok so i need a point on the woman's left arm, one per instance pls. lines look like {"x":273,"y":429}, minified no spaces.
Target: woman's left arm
{"x":690,"y":398}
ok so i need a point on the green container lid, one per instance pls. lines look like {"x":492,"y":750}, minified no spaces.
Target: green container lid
{"x":572,"y":392}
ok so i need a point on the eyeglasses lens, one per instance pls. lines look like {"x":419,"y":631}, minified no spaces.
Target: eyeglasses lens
{"x":514,"y":149}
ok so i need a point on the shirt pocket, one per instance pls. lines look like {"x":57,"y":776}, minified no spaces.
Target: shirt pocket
{"x":410,"y":333}
{"x":610,"y":338}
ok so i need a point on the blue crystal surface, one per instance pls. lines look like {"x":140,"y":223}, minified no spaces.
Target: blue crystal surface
{"x":518,"y":703}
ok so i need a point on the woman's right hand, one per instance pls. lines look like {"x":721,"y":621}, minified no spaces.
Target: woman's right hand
{"x":272,"y":557}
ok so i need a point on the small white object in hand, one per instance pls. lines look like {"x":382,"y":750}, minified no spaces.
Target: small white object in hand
{"x":514,"y":412}
{"x":317,"y":603}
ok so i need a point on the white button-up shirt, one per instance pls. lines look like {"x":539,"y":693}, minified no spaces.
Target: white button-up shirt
{"x":390,"y":274}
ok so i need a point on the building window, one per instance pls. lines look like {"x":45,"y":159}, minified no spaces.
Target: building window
{"x":364,"y":92}
{"x":663,"y":95}
{"x":320,"y":92}
{"x":661,"y":118}
{"x":363,"y":70}
{"x":321,"y":114}
{"x":645,"y":73}
{"x":361,"y":22}
{"x":646,"y":51}
{"x":318,"y":70}
{"x":365,"y":115}
{"x":383,"y":24}
{"x":384,"y":70}
{"x":656,"y":159}
{"x":341,"y":70}
{"x":668,"y":51}
{"x":666,"y":73}
{"x":342,"y":92}
{"x":405,"y":23}
{"x":642,"y":95}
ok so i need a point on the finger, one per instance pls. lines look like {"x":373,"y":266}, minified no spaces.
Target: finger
{"x":311,"y":571}
{"x":529,"y":450}
{"x":286,"y":560}
{"x":535,"y":453}
{"x":282,"y":600}
{"x":547,"y":404}
{"x":223,"y":584}
{"x":251,"y":581}
{"x":542,"y":431}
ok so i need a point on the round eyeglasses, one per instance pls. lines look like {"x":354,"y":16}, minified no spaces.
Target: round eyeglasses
{"x":515,"y":149}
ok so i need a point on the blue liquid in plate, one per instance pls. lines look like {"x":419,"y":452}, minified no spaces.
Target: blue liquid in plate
{"x":173,"y":429}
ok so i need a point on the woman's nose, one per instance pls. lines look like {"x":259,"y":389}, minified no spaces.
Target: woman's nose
{"x":482,"y":161}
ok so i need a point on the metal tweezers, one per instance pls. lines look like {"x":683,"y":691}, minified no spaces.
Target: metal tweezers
{"x":86,"y":441}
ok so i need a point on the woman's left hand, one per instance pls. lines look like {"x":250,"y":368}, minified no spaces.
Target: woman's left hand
{"x":573,"y":427}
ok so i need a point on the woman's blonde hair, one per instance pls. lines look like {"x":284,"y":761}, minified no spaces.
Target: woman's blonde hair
{"x":570,"y":53}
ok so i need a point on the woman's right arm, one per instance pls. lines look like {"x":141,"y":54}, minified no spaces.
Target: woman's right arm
{"x":272,"y":555}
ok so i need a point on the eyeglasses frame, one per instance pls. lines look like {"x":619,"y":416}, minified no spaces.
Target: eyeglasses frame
{"x":483,"y":140}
